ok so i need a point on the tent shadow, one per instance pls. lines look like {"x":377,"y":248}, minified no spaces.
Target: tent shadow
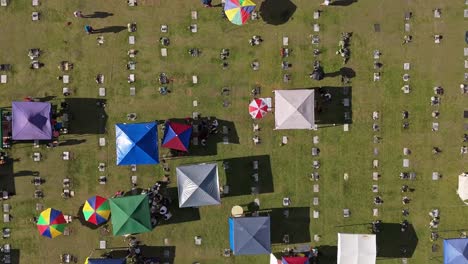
{"x":291,"y":221}
{"x":337,"y":110}
{"x":7,"y":176}
{"x":179,"y":215}
{"x":240,"y":179}
{"x":163,"y":254}
{"x":392,"y":243}
{"x":327,"y":254}
{"x":86,"y":117}
{"x":276,"y":12}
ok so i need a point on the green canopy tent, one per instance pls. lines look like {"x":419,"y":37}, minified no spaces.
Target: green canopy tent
{"x":130,"y":215}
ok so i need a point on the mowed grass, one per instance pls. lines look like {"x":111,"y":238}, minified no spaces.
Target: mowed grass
{"x":341,"y":152}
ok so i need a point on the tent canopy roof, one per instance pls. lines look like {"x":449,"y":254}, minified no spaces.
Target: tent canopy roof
{"x":137,"y":143}
{"x":105,"y":261}
{"x":31,"y":121}
{"x":294,"y":109}
{"x":198,"y":185}
{"x":250,"y":235}
{"x":356,"y":249}
{"x":456,"y":251}
{"x":463,"y":187}
{"x":130,"y":215}
{"x":177,"y":136}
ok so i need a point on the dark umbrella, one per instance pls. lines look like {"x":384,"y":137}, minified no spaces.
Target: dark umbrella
{"x":277,"y":12}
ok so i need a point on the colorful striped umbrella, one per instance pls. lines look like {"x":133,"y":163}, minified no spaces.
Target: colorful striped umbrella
{"x":258,"y":108}
{"x":96,"y":210}
{"x":51,"y":223}
{"x":238,"y":11}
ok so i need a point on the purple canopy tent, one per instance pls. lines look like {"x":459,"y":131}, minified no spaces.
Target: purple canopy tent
{"x":31,"y":121}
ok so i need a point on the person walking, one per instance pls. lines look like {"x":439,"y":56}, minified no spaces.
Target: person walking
{"x":78,"y":14}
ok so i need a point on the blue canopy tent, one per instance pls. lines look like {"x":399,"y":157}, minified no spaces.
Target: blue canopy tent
{"x":250,"y":235}
{"x":456,"y":251}
{"x":105,"y":261}
{"x":137,"y":143}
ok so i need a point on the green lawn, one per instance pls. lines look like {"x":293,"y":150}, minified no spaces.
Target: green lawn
{"x":341,"y":152}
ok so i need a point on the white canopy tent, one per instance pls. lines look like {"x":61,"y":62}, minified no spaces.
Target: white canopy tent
{"x":294,"y":109}
{"x":463,"y":187}
{"x":356,"y":249}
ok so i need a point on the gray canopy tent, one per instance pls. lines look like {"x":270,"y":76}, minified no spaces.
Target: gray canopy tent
{"x":198,"y":185}
{"x":294,"y":109}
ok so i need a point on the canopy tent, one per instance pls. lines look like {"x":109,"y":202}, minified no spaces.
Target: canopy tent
{"x":294,"y":109}
{"x":137,"y":143}
{"x":356,"y":249}
{"x":250,"y":235}
{"x":274,"y":260}
{"x":130,"y":215}
{"x":177,"y":136}
{"x":31,"y":121}
{"x":456,"y":251}
{"x":295,"y":260}
{"x":463,"y":187}
{"x":198,"y":185}
{"x":105,"y":261}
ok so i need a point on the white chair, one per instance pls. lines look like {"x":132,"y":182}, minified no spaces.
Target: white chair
{"x":406,"y":66}
{"x":3,"y":2}
{"x":35,"y":2}
{"x":66,"y":155}
{"x":405,"y":163}
{"x":132,"y":2}
{"x":132,"y":91}
{"x":316,"y":214}
{"x":3,"y":78}
{"x":316,"y":188}
{"x":315,"y":139}
{"x":102,"y":244}
{"x":194,"y":79}
{"x":284,"y":141}
{"x":316,"y":14}
{"x":194,"y":15}
{"x":131,"y":78}
{"x":164,"y":52}
{"x":66,"y":79}
{"x":35,"y":16}
{"x":102,"y":91}
{"x":316,"y":27}
{"x":194,"y":28}
{"x":102,"y":142}
{"x":131,"y":40}
{"x":285,"y":41}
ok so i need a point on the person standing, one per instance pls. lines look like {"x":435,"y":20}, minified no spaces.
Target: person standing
{"x":88,"y":29}
{"x":207,"y":3}
{"x":78,"y":14}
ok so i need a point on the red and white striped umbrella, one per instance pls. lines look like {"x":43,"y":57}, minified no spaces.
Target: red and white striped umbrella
{"x":258,"y":108}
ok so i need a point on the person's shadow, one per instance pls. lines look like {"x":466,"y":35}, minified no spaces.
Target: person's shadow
{"x":111,"y":29}
{"x":98,"y":14}
{"x":343,"y":2}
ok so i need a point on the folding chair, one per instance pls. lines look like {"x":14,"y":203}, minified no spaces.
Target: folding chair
{"x":66,"y":79}
{"x":35,"y":2}
{"x":131,"y":40}
{"x":406,"y":66}
{"x":132,"y":91}
{"x":316,"y":14}
{"x":194,"y":15}
{"x":316,"y":27}
{"x":285,"y":41}
{"x":194,"y":79}
{"x":315,"y":201}
{"x":102,"y":91}
{"x":3,"y":2}
{"x":102,"y":142}
{"x":405,"y":163}
{"x":346,"y":213}
{"x":3,"y":78}
{"x":164,"y":52}
{"x":284,"y":141}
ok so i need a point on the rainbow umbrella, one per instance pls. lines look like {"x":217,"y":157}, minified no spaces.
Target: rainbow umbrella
{"x":51,"y":223}
{"x":96,"y":210}
{"x":238,"y":11}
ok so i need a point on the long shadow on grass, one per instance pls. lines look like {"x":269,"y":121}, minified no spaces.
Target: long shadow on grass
{"x":7,"y":177}
{"x":226,"y":134}
{"x":179,"y":215}
{"x":292,"y":222}
{"x":343,"y":2}
{"x":111,"y":29}
{"x":163,"y":254}
{"x":241,"y":179}
{"x":334,"y":111}
{"x":392,"y":243}
{"x":86,"y":116}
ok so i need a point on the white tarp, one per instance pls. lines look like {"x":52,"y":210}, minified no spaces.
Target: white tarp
{"x":294,"y":109}
{"x":463,"y":187}
{"x":356,"y":249}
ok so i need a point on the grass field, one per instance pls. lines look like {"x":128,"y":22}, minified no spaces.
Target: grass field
{"x":341,"y":152}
